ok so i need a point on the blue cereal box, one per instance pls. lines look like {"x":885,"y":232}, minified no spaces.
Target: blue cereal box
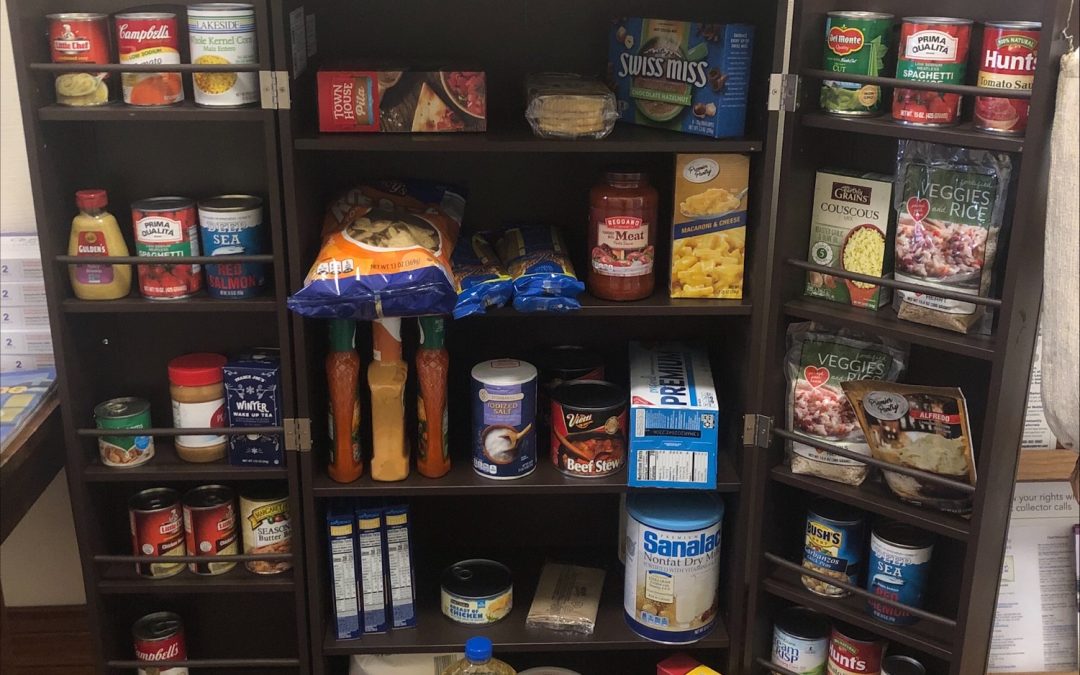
{"x":342,"y":545}
{"x":253,"y":399}
{"x":679,"y":75}
{"x":398,"y":562}
{"x":369,"y":539}
{"x":674,"y":415}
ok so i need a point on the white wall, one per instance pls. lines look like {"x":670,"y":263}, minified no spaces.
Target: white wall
{"x":39,"y":562}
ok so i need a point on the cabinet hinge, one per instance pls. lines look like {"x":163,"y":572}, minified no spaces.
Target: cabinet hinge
{"x":783,"y":92}
{"x":274,"y":89}
{"x":297,"y":434}
{"x":757,"y":430}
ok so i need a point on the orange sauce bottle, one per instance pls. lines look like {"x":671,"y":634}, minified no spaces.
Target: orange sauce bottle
{"x":343,"y":381}
{"x":432,"y":368}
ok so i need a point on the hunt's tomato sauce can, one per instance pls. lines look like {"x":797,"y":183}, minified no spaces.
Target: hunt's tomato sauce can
{"x":157,"y":529}
{"x":933,"y":50}
{"x":210,"y":525}
{"x":1009,"y":51}
{"x":160,"y":637}
{"x":167,"y":227}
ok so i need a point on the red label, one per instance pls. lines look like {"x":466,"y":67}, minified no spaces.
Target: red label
{"x":348,"y":101}
{"x":171,"y":648}
{"x":156,"y":533}
{"x":134,"y":35}
{"x":816,"y":376}
{"x":1008,"y":62}
{"x":847,"y":656}
{"x":165,"y":234}
{"x":210,"y":531}
{"x":918,"y":208}
{"x":78,"y":40}
{"x":843,"y":41}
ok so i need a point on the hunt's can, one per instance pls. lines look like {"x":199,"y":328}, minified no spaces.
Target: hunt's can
{"x":221,"y":33}
{"x":149,"y":38}
{"x":264,"y":521}
{"x":233,"y":225}
{"x":855,"y":43}
{"x":1009,"y":53}
{"x":124,"y":413}
{"x":157,"y":529}
{"x":504,"y":416}
{"x":160,"y":637}
{"x":835,"y":538}
{"x":166,"y":227}
{"x":933,"y":50}
{"x":901,"y":665}
{"x":899,"y":564}
{"x":210,"y":526}
{"x":801,"y":641}
{"x":79,"y":37}
{"x":853,"y":651}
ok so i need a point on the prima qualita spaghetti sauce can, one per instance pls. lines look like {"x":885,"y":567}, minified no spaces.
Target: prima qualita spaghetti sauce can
{"x":933,"y":50}
{"x":1009,"y":53}
{"x":167,"y":227}
{"x":157,"y":529}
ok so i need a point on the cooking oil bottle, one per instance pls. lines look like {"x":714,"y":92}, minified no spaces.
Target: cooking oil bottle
{"x":478,"y":660}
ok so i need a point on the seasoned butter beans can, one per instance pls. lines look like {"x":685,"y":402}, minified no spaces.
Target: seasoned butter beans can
{"x":124,"y":413}
{"x":223,"y":33}
{"x":504,"y":418}
{"x":933,"y":50}
{"x":853,"y":651}
{"x":855,"y":43}
{"x":833,"y":546}
{"x":210,"y":527}
{"x":801,"y":641}
{"x":166,"y":227}
{"x":233,"y":225}
{"x":899,"y":565}
{"x":157,"y":529}
{"x":266,"y":528}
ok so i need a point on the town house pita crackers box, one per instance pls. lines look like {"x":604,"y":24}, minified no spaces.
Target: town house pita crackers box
{"x":708,"y":226}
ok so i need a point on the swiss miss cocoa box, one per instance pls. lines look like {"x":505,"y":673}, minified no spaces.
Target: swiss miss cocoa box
{"x":394,"y":99}
{"x":253,"y":399}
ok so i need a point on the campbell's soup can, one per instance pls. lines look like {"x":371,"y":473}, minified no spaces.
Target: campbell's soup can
{"x":166,"y":227}
{"x":933,"y":50}
{"x":1009,"y":53}
{"x":266,"y":527}
{"x":801,"y":641}
{"x":233,"y":225}
{"x":853,"y":651}
{"x":210,"y":526}
{"x":160,"y":637}
{"x":157,"y":529}
{"x":149,"y":38}
{"x":899,"y":566}
{"x":79,"y":37}
{"x":221,"y":33}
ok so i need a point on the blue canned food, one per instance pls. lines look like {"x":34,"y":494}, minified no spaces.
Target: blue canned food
{"x":504,"y":415}
{"x":833,"y":546}
{"x":899,"y":564}
{"x":233,"y":225}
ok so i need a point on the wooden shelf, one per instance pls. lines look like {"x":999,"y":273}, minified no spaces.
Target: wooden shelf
{"x":165,"y":465}
{"x":186,"y":111}
{"x":462,"y":480}
{"x":135,"y":304}
{"x":874,"y":496}
{"x":884,"y":322}
{"x":121,"y":579}
{"x":658,"y":304}
{"x":963,"y":134}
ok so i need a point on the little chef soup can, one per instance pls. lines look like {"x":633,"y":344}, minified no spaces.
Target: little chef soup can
{"x":853,"y":651}
{"x":221,"y":33}
{"x":1009,"y":53}
{"x":899,"y":564}
{"x":588,"y":428}
{"x":160,"y":637}
{"x":933,"y":50}
{"x":80,"y":38}
{"x":233,"y":225}
{"x":264,"y":521}
{"x":833,"y":545}
{"x":801,"y":641}
{"x":504,"y":416}
{"x":157,"y":529}
{"x":672,"y":565}
{"x":149,"y":38}
{"x":210,"y":526}
{"x":166,"y":227}
{"x":124,"y":413}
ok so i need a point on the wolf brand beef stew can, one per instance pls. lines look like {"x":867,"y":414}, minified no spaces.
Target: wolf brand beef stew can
{"x":853,"y":651}
{"x":266,"y":527}
{"x":124,"y":413}
{"x":899,"y":563}
{"x":210,"y":525}
{"x":80,"y":38}
{"x":1009,"y":53}
{"x":504,"y":416}
{"x":672,"y":565}
{"x":588,"y":428}
{"x":166,"y":227}
{"x":835,"y":538}
{"x":856,"y":44}
{"x":221,"y":33}
{"x":233,"y":225}
{"x":157,"y":529}
{"x":933,"y":50}
{"x":149,"y":38}
{"x":477,"y":592}
{"x":801,"y":641}
{"x":160,"y":637}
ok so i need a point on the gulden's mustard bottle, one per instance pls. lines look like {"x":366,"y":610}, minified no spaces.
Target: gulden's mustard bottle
{"x":386,"y":378}
{"x":95,"y":233}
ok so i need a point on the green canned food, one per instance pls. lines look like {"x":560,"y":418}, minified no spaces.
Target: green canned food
{"x":855,"y":43}
{"x":124,"y":413}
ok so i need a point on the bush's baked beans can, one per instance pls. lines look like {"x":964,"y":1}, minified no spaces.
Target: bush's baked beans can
{"x":160,"y":637}
{"x":210,"y":526}
{"x":933,"y":50}
{"x":157,"y":529}
{"x":222,"y":33}
{"x":588,"y":428}
{"x":1009,"y":53}
{"x":853,"y":651}
{"x":801,"y":641}
{"x":80,"y":38}
{"x":233,"y":225}
{"x":266,"y":527}
{"x":149,"y":38}
{"x":166,"y":227}
{"x":834,"y":542}
{"x":124,"y":413}
{"x":899,"y":565}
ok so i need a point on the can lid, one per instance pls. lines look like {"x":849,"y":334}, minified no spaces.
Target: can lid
{"x":589,"y":394}
{"x":267,"y":492}
{"x":432,"y":332}
{"x":119,"y":408}
{"x":901,"y":665}
{"x":678,"y":512}
{"x":902,"y":534}
{"x":854,"y":633}
{"x":947,"y":20}
{"x":803,"y":622}
{"x":504,"y":372}
{"x":196,"y":370}
{"x":476,"y":578}
{"x":157,"y":626}
{"x":230,"y":203}
{"x":91,"y":199}
{"x":831,"y":510}
{"x":168,"y":203}
{"x":478,"y":648}
{"x":568,"y":361}
{"x":855,"y":14}
{"x":208,"y":495}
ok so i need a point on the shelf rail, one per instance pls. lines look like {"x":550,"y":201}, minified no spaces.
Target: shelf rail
{"x":148,"y":67}
{"x":892,"y":82}
{"x":769,"y":665}
{"x":193,"y":431}
{"x":895,"y":283}
{"x":924,"y":476}
{"x":171,"y":260}
{"x":106,"y":558}
{"x":154,"y":666}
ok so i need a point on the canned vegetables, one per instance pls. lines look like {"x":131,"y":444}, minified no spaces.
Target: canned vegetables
{"x":855,"y":43}
{"x":124,"y":413}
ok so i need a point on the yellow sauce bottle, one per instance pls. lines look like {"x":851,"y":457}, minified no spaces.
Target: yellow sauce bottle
{"x":386,"y":378}
{"x":95,"y":233}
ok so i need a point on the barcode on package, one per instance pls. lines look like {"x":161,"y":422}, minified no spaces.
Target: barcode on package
{"x":673,"y":466}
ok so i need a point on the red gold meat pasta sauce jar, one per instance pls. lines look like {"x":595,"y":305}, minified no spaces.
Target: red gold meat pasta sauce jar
{"x":1009,"y":53}
{"x":933,"y":50}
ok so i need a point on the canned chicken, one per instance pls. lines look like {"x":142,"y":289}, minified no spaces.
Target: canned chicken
{"x":855,"y":43}
{"x":504,"y":412}
{"x":899,"y":563}
{"x":588,"y":428}
{"x":210,"y":526}
{"x":1010,"y":50}
{"x":160,"y":637}
{"x":233,"y":225}
{"x":149,"y":38}
{"x":80,"y":38}
{"x":833,"y":546}
{"x":477,"y":592}
{"x":156,"y":530}
{"x":264,"y":521}
{"x":801,"y":641}
{"x":933,"y":50}
{"x":222,"y":33}
{"x":124,"y":413}
{"x":166,"y":227}
{"x":853,"y":651}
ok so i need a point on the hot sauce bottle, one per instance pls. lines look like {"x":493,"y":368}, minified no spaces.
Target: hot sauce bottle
{"x":622,"y":236}
{"x":343,"y":380}
{"x":432,"y":367}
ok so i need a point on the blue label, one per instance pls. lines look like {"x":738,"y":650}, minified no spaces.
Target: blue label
{"x":504,"y":433}
{"x":897,"y":574}
{"x":694,"y":228}
{"x":832,"y":546}
{"x":239,"y":233}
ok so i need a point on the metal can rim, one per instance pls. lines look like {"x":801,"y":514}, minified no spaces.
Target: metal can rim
{"x":1019,"y":25}
{"x":244,"y":203}
{"x":946,"y":20}
{"x":841,"y":514}
{"x":144,"y":621}
{"x":139,"y":406}
{"x":901,"y":535}
{"x":912,"y":665}
{"x":175,"y":203}
{"x":77,"y":16}
{"x":802,"y":623}
{"x":501,"y":581}
{"x":215,"y":7}
{"x":146,"y":15}
{"x":134,"y":500}
{"x":224,"y":493}
{"x":854,"y":14}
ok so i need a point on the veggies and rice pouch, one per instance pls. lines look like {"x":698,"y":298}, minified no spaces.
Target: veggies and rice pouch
{"x":386,"y":252}
{"x":479,"y":278}
{"x":535,"y":257}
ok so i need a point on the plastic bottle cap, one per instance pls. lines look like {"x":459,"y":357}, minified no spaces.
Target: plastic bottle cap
{"x":342,"y":335}
{"x":478,"y":649}
{"x":432,"y":332}
{"x":91,"y":199}
{"x":196,"y":370}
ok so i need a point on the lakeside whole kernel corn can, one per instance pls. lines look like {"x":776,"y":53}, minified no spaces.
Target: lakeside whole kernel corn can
{"x":223,"y":33}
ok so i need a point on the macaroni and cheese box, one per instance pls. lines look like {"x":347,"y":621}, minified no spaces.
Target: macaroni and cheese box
{"x":708,"y":230}
{"x":674,"y":415}
{"x":253,"y":399}
{"x":849,"y":230}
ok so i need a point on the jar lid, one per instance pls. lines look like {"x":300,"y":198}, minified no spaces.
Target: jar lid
{"x":624,"y":175}
{"x":91,"y":199}
{"x":196,"y":370}
{"x":679,"y":512}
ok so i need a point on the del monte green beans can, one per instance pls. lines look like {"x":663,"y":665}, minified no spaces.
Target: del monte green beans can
{"x":855,"y":43}
{"x":124,"y":413}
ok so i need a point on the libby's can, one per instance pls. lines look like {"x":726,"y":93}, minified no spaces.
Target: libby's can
{"x":801,"y":641}
{"x":855,"y":43}
{"x":899,"y":564}
{"x":160,"y":637}
{"x":853,"y":651}
{"x":124,"y":413}
{"x":210,"y":526}
{"x":221,"y":33}
{"x":80,"y":37}
{"x":1009,"y":53}
{"x":157,"y":529}
{"x":833,"y":546}
{"x":233,"y":225}
{"x":933,"y":50}
{"x":166,"y":227}
{"x":264,"y":521}
{"x":149,"y":38}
